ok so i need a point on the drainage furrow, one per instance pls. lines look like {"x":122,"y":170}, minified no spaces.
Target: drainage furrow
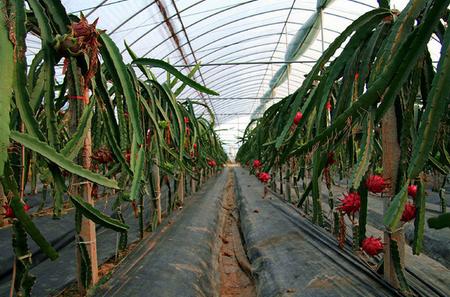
{"x":234,"y":268}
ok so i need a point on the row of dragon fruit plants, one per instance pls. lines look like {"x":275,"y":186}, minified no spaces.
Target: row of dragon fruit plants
{"x":378,"y":113}
{"x":105,"y":124}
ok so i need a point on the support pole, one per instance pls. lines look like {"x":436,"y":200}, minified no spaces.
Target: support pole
{"x":286,"y":180}
{"x":391,"y":160}
{"x":201,"y":177}
{"x":180,"y":188}
{"x":280,"y":170}
{"x":88,"y":232}
{"x":87,"y":235}
{"x":192,"y":185}
{"x":157,"y":182}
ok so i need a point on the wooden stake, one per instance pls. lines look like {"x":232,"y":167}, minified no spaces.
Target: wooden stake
{"x":391,"y":159}
{"x":13,"y":280}
{"x":201,"y":177}
{"x":180,"y":188}
{"x":288,"y":178}
{"x":280,"y":170}
{"x":156,"y":179}
{"x":192,"y":185}
{"x":88,"y":232}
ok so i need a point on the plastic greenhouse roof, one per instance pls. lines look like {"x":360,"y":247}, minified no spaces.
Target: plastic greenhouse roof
{"x":240,"y":43}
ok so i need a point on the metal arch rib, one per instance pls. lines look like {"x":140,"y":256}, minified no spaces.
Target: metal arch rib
{"x":193,"y":54}
{"x":156,"y":26}
{"x":276,"y":46}
{"x":132,"y":16}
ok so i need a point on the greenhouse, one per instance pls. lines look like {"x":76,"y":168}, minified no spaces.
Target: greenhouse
{"x":234,"y":148}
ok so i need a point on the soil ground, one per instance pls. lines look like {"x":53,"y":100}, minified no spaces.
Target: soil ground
{"x":234,"y":267}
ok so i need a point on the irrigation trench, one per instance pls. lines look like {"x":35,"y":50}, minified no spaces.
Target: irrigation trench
{"x":235,"y":270}
{"x":229,"y":241}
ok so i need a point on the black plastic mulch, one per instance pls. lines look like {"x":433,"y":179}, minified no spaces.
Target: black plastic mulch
{"x":292,"y":257}
{"x":180,"y":259}
{"x":53,"y":276}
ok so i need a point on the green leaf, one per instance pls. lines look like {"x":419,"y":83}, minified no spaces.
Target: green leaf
{"x":365,"y":153}
{"x":85,"y":272}
{"x":107,"y":113}
{"x":73,"y":147}
{"x":395,"y":210}
{"x":183,"y":86}
{"x":363,"y":193}
{"x":31,"y":229}
{"x":58,"y":15}
{"x":48,"y":68}
{"x":138,"y":172}
{"x":10,"y":188}
{"x":114,"y":62}
{"x":24,"y":281}
{"x":21,"y":95}
{"x":174,"y":72}
{"x":144,"y":70}
{"x":50,"y":153}
{"x":384,"y":3}
{"x":6,"y":84}
{"x":35,"y":70}
{"x":398,"y":266}
{"x":97,"y":216}
{"x":37,"y":92}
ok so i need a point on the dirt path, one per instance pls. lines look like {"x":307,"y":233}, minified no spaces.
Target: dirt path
{"x":235,"y":271}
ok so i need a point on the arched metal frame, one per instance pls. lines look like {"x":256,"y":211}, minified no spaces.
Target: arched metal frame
{"x":239,"y":32}
{"x":232,"y":94}
{"x":132,"y":16}
{"x":222,"y":88}
{"x":238,"y":50}
{"x":155,"y":27}
{"x":245,"y":83}
{"x":219,"y":27}
{"x":228,"y":79}
{"x":225,"y":78}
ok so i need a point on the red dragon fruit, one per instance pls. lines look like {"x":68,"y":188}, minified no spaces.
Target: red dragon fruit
{"x":376,"y":184}
{"x":372,"y":246}
{"x":264,"y":177}
{"x":297,"y":118}
{"x":409,"y":212}
{"x":412,"y":191}
{"x":351,"y":203}
{"x":257,"y":164}
{"x":9,"y":212}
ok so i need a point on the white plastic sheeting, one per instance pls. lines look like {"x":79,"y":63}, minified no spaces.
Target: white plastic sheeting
{"x":304,"y":37}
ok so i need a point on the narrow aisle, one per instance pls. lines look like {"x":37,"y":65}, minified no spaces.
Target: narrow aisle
{"x":235,"y":270}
